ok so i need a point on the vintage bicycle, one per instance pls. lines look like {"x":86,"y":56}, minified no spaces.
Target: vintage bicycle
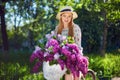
{"x":89,"y":76}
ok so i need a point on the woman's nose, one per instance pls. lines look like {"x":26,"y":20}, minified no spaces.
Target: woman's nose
{"x":67,"y":18}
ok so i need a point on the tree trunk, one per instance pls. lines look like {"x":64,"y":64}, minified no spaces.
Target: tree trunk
{"x":3,"y":28}
{"x":104,"y":41}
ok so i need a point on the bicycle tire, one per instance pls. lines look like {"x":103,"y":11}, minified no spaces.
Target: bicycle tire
{"x":91,"y":73}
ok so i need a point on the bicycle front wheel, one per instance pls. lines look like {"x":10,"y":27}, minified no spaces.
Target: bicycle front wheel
{"x":90,"y":75}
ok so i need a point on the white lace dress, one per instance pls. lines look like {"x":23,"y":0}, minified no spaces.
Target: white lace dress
{"x":54,"y":72}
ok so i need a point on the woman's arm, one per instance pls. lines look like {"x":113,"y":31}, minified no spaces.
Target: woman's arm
{"x":77,"y":36}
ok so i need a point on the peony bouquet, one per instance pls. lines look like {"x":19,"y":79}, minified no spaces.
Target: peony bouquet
{"x":60,"y":50}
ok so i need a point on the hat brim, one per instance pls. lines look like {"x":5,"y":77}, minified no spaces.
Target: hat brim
{"x":59,"y":14}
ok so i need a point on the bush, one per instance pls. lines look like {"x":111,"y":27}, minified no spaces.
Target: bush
{"x":105,"y":66}
{"x":18,"y":66}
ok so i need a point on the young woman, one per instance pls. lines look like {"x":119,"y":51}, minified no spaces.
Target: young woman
{"x":65,"y":27}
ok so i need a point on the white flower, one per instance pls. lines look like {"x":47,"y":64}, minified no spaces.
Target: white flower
{"x":64,"y":38}
{"x":45,"y":54}
{"x":37,"y":48}
{"x":48,"y":36}
{"x":59,"y":35}
{"x":56,"y":56}
{"x":52,"y":33}
{"x":63,"y":47}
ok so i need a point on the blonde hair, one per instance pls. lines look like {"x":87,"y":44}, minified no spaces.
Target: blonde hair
{"x":70,"y":27}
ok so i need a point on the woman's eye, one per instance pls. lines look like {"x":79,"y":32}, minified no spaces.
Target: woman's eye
{"x":69,"y":16}
{"x":64,"y":15}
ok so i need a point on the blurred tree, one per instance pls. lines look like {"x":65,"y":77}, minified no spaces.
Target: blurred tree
{"x":110,"y":10}
{"x":95,"y":14}
{"x":25,"y":12}
{"x":32,"y":19}
{"x":3,"y":25}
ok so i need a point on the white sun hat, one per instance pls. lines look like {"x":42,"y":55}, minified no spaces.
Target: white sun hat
{"x":66,"y":9}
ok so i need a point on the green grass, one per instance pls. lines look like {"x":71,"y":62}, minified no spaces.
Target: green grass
{"x":16,"y":66}
{"x":105,"y":66}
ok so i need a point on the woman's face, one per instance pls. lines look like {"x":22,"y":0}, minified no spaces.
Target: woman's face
{"x":66,"y":17}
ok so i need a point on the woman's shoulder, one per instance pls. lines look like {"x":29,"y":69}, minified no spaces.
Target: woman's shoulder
{"x":76,"y":26}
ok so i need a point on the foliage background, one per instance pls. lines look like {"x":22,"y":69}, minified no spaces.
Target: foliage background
{"x":27,"y":21}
